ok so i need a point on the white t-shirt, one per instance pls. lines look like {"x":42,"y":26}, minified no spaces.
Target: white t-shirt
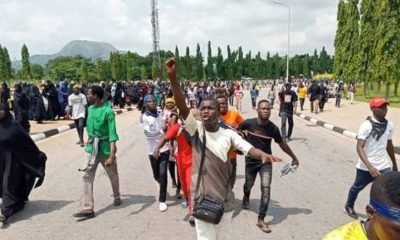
{"x":375,"y":150}
{"x":78,"y":104}
{"x":219,"y":142}
{"x":153,"y":130}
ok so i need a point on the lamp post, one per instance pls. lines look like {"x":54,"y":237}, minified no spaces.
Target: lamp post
{"x":204,"y":65}
{"x":288,"y":43}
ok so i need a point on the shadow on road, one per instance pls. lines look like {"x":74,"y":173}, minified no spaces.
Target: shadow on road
{"x":39,"y":207}
{"x":275,"y":210}
{"x":128,"y":200}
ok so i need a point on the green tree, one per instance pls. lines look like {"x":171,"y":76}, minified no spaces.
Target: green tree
{"x":210,"y":62}
{"x":387,"y":51}
{"x":367,"y":42}
{"x":221,"y":73}
{"x":143,"y":73}
{"x":130,"y":67}
{"x":7,"y":63}
{"x":26,"y":66}
{"x":37,"y":71}
{"x":84,"y":74}
{"x":199,"y":64}
{"x":178,"y":60}
{"x":100,"y":67}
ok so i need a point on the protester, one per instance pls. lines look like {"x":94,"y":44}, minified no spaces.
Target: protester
{"x":254,"y":95}
{"x":383,"y":222}
{"x":77,"y":104}
{"x":102,"y":148}
{"x":217,"y":143}
{"x":154,"y":127}
{"x":21,"y":107}
{"x":238,"y":97}
{"x":288,"y":104}
{"x":339,"y":94}
{"x":259,"y":132}
{"x":233,"y":119}
{"x":302,"y":93}
{"x":374,"y":143}
{"x":5,"y":93}
{"x":22,"y":165}
{"x":178,"y":133}
{"x":314,"y":92}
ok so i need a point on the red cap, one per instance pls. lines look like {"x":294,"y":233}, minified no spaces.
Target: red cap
{"x":378,"y":102}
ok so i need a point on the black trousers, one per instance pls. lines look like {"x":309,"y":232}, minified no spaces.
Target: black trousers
{"x":80,"y":125}
{"x":160,"y":173}
{"x":289,"y":118}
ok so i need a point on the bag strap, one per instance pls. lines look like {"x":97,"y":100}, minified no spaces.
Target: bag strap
{"x":203,"y":157}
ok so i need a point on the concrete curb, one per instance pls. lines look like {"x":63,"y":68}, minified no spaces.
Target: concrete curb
{"x":336,"y":129}
{"x":49,"y":133}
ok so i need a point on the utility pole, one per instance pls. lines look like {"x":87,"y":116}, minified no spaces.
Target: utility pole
{"x":156,"y":38}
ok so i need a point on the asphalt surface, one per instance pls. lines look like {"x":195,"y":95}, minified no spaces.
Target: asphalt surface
{"x":304,"y":205}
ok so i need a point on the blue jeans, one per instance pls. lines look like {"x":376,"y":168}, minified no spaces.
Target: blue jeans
{"x":265,"y":170}
{"x":363,"y":178}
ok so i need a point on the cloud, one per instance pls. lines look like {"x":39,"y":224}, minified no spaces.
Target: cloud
{"x":256,"y":25}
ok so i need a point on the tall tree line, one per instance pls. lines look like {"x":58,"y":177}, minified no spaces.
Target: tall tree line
{"x":367,"y":44}
{"x":196,"y":66}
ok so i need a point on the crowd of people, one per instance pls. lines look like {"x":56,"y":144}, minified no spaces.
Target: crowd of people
{"x":199,"y":130}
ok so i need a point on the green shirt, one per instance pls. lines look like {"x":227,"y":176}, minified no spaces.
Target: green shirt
{"x":101,"y":123}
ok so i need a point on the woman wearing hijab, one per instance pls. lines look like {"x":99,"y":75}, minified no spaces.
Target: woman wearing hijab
{"x":21,"y":163}
{"x":21,"y":107}
{"x":38,"y":109}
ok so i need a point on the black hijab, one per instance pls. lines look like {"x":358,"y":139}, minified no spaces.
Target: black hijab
{"x":16,"y":140}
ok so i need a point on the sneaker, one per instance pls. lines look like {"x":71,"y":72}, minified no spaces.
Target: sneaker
{"x":85,"y":214}
{"x":246,"y":203}
{"x":350,"y":211}
{"x":163,"y":207}
{"x":184,"y":203}
{"x":117,"y":201}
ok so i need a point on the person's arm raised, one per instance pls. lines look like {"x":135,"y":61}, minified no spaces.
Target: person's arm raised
{"x":171,"y":66}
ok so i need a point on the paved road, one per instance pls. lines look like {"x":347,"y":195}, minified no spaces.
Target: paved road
{"x":305,"y":205}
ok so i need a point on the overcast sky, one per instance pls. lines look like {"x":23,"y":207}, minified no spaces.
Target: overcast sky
{"x":256,"y":25}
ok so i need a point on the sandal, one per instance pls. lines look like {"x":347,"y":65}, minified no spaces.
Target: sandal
{"x":264,"y":226}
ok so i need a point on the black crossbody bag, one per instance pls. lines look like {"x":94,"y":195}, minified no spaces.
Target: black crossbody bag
{"x":205,"y":207}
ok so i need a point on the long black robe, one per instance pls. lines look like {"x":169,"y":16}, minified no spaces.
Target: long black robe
{"x":21,"y":165}
{"x":21,"y":109}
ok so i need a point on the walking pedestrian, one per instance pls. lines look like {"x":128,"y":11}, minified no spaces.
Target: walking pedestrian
{"x":339,"y":94}
{"x":314,"y":92}
{"x":22,"y":165}
{"x":254,"y":95}
{"x":211,"y":145}
{"x":374,"y":143}
{"x":288,"y":103}
{"x":233,"y":119}
{"x":302,"y":93}
{"x":102,"y":149}
{"x":154,"y":127}
{"x":259,"y":132}
{"x":77,"y":104}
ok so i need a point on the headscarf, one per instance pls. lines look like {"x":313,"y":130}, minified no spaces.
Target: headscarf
{"x":150,"y":112}
{"x":8,"y":118}
{"x":378,"y":128}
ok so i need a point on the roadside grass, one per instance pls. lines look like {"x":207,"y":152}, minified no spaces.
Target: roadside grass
{"x":394,"y":101}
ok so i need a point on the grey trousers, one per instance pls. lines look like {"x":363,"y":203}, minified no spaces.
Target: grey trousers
{"x":88,"y":179}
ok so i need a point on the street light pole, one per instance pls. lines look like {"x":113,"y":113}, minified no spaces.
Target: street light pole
{"x":288,"y":43}
{"x":204,"y":65}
